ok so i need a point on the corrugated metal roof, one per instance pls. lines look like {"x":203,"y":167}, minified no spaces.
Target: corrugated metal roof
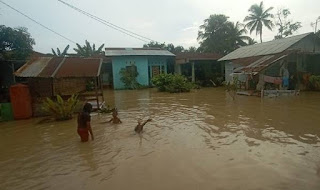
{"x":266,"y":48}
{"x":79,"y":67}
{"x":51,"y":67}
{"x":260,"y":63}
{"x":110,"y":52}
{"x":33,"y":67}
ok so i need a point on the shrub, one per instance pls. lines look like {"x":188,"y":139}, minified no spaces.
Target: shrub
{"x":61,"y":109}
{"x":314,"y":82}
{"x":129,"y":77}
{"x":172,"y":83}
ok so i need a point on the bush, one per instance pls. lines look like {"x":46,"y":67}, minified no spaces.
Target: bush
{"x":314,"y":82}
{"x":60,"y":109}
{"x":172,"y":83}
{"x":129,"y":77}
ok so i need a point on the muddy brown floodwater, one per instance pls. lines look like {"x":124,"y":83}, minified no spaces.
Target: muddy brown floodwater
{"x":197,"y":140}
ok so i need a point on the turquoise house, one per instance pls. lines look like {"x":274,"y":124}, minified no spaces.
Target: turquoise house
{"x":148,"y":62}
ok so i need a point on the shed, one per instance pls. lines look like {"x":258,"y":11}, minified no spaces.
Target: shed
{"x":298,"y":54}
{"x":51,"y":76}
{"x":148,"y":62}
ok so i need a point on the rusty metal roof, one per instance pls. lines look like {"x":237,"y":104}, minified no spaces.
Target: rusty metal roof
{"x":266,"y":48}
{"x":59,"y":67}
{"x":259,"y":63}
{"x":79,"y":67}
{"x":111,"y":52}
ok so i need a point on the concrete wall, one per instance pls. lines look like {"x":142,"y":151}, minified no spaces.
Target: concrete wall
{"x":143,"y":64}
{"x":140,"y":62}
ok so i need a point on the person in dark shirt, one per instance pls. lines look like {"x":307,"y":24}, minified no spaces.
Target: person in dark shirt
{"x":84,"y":126}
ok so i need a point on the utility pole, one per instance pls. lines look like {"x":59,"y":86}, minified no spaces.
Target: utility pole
{"x":315,"y":32}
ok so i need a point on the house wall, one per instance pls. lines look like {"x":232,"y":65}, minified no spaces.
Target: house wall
{"x":229,"y":67}
{"x":143,"y":64}
{"x":40,"y":87}
{"x":69,"y":86}
{"x":160,"y":62}
{"x":106,"y":73}
{"x":307,"y":44}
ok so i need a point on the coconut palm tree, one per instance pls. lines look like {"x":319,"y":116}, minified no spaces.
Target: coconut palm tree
{"x":59,"y":54}
{"x":258,"y":18}
{"x":251,"y":41}
{"x":87,"y":50}
{"x":236,"y":35}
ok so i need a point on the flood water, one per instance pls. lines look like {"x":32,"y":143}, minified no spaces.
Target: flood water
{"x":197,"y":140}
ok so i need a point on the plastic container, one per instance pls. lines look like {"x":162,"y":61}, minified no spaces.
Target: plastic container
{"x":6,"y":112}
{"x":21,"y":101}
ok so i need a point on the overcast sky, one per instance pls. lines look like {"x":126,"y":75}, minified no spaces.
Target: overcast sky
{"x":169,"y":21}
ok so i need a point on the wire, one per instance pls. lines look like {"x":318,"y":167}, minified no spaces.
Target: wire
{"x":38,"y":22}
{"x":109,"y":24}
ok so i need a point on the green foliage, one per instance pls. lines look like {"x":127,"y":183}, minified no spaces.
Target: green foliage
{"x":90,"y":85}
{"x":172,"y":83}
{"x":259,"y":17}
{"x":61,"y":109}
{"x":285,"y":27}
{"x":59,"y":54}
{"x":170,"y":47}
{"x":87,"y":50}
{"x":232,"y":87}
{"x":129,"y":77}
{"x":219,"y":35}
{"x":15,"y":43}
{"x":314,"y":82}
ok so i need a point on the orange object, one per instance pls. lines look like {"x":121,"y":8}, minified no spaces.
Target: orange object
{"x":21,"y":101}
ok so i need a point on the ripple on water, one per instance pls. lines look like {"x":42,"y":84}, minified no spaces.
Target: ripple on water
{"x":201,"y":138}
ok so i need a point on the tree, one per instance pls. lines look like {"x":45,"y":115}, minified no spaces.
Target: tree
{"x":236,"y":37}
{"x":258,"y":18}
{"x":15,"y":43}
{"x":87,"y":50}
{"x":219,"y":35}
{"x":59,"y":54}
{"x":191,"y":49}
{"x":153,"y":44}
{"x":251,"y":41}
{"x":170,"y":47}
{"x":286,"y":27}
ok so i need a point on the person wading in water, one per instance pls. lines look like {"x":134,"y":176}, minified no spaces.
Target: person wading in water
{"x":139,"y":127}
{"x":115,"y":119}
{"x":84,"y":126}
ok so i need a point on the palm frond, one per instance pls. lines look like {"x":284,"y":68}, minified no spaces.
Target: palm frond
{"x":53,"y":52}
{"x":100,"y":49}
{"x":58,"y":52}
{"x":65,"y":51}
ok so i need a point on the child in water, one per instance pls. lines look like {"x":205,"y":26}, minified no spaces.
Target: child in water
{"x":84,"y":126}
{"x":115,"y":119}
{"x":139,"y":127}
